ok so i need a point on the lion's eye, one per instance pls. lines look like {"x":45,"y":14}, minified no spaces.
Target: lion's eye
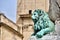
{"x":34,"y":14}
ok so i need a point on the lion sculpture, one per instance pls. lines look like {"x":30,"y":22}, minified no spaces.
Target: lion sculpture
{"x":42,"y":24}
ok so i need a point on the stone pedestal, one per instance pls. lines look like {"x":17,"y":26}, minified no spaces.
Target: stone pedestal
{"x":46,"y":37}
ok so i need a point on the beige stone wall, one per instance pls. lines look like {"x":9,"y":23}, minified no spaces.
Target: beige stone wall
{"x":27,"y":32}
{"x":26,"y":5}
{"x":7,"y":34}
{"x":26,"y":28}
{"x":23,"y":6}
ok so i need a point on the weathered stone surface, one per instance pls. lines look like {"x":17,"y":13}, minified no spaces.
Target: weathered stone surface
{"x":46,"y":37}
{"x":57,"y":26}
{"x":8,"y":29}
{"x":54,"y":9}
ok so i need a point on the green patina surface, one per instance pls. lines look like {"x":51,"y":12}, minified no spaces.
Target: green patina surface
{"x":42,"y":24}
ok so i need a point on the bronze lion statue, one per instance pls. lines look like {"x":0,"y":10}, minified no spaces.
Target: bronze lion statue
{"x":42,"y":24}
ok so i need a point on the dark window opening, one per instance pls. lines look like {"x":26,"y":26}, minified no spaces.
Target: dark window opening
{"x":30,"y":11}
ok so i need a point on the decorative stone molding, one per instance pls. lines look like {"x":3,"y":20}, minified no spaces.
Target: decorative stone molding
{"x":9,"y":24}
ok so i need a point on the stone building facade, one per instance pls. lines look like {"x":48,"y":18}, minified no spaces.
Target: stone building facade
{"x":8,"y":29}
{"x":24,"y":10}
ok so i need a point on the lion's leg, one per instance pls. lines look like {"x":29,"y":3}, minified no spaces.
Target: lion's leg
{"x":43,"y":32}
{"x":40,"y":33}
{"x":34,"y":34}
{"x":35,"y":31}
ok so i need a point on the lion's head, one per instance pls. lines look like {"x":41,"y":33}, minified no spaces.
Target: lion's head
{"x":36,"y":14}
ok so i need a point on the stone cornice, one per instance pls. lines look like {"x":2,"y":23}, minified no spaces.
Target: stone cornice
{"x":9,"y":24}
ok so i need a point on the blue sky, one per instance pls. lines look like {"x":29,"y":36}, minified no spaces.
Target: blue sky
{"x":9,"y":8}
